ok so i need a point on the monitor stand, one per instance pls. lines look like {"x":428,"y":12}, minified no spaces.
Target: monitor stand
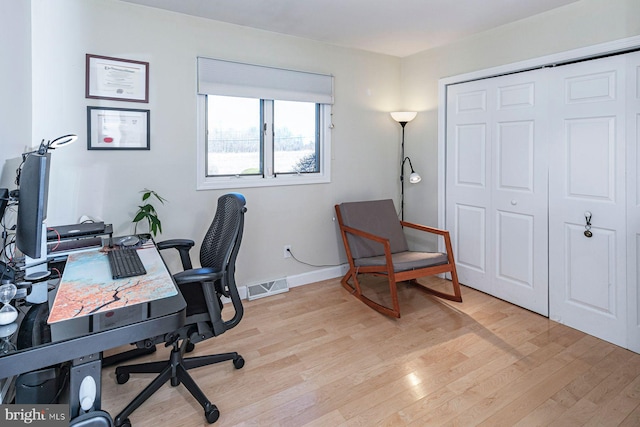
{"x":36,"y":271}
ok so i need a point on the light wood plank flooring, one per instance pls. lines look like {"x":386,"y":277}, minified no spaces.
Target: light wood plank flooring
{"x":316,"y":356}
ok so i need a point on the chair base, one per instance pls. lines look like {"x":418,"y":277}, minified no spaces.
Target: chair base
{"x":394,"y":311}
{"x":387,"y":311}
{"x":456,"y":296}
{"x":175,"y":369}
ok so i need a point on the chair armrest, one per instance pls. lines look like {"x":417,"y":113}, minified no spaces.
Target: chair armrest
{"x":433,"y":230}
{"x":174,"y":243}
{"x":366,"y":235}
{"x":424,"y":228}
{"x":182,"y":246}
{"x":382,"y":240}
{"x":197,"y":275}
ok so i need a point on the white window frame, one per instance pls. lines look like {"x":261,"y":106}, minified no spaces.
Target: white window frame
{"x":217,"y":77}
{"x":205,"y":182}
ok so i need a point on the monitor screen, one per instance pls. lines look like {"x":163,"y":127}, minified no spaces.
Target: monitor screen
{"x":32,"y":205}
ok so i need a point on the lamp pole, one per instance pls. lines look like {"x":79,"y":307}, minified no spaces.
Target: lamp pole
{"x":403,"y":124}
{"x":404,"y":117}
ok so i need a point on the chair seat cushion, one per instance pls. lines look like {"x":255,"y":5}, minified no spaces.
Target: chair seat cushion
{"x":407,"y":260}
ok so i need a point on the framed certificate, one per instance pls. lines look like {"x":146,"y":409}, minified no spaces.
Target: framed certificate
{"x":118,"y":79}
{"x":117,"y":129}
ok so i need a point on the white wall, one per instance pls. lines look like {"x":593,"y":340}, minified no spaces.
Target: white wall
{"x":106,"y":184}
{"x":580,"y":24}
{"x":365,"y":160}
{"x":15,"y":86}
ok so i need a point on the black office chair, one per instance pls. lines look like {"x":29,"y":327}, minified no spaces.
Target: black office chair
{"x":202,"y":289}
{"x":96,"y":418}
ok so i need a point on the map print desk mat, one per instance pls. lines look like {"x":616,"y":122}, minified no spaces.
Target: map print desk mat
{"x":87,"y":288}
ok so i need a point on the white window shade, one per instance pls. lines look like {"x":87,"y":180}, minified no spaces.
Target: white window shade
{"x":217,"y":77}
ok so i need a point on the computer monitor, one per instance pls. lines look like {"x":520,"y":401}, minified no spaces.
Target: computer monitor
{"x":4,"y":199}
{"x":32,"y":207}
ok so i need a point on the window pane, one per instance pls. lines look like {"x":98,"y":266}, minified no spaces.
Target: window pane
{"x":295,"y":137}
{"x":234,"y":143}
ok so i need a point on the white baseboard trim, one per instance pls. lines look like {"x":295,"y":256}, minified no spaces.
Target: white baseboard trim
{"x":304,"y":278}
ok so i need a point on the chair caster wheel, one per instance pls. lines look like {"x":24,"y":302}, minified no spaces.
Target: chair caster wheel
{"x":238,"y":362}
{"x":125,"y":423}
{"x":212,"y":414}
{"x":121,"y":379}
{"x":190,"y":347}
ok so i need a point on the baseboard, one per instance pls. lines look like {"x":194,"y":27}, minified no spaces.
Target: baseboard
{"x":305,"y":278}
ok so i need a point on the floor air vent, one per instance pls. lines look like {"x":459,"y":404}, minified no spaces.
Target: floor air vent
{"x":266,"y":289}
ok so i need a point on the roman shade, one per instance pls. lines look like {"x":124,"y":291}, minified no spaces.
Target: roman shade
{"x":227,"y":78}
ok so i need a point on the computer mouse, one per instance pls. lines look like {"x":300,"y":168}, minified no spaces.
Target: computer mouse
{"x":127,"y":241}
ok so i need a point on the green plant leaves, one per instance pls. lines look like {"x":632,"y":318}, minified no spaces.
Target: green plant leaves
{"x":148,"y":212}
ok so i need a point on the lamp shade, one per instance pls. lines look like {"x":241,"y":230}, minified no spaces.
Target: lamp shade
{"x":63,"y":140}
{"x":414,"y":178}
{"x":403,"y":116}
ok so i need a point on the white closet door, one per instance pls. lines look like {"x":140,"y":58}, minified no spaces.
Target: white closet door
{"x":468,"y":176}
{"x":633,"y":201}
{"x":496,"y":186}
{"x":587,"y":275}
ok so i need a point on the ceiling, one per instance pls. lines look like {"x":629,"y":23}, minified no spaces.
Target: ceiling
{"x":393,"y":27}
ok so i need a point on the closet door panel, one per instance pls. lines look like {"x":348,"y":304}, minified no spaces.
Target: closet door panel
{"x":515,"y":156}
{"x":587,"y":199}
{"x":515,"y":246}
{"x":470,"y":238}
{"x":597,"y":255}
{"x":633,"y":210}
{"x":590,"y":145}
{"x":468,"y":174}
{"x":496,"y":190}
{"x":519,"y":190}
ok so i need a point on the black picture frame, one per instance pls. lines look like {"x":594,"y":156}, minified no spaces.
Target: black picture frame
{"x":111,"y":128}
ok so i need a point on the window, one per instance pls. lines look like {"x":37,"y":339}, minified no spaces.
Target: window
{"x":248,"y":136}
{"x":281,"y":137}
{"x":234,"y":137}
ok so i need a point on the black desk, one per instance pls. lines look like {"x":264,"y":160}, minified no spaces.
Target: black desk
{"x":82,"y":340}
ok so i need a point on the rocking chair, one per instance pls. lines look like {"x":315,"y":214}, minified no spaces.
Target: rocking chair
{"x":375,"y":243}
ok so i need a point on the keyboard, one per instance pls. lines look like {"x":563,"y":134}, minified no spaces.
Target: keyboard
{"x":125,"y":263}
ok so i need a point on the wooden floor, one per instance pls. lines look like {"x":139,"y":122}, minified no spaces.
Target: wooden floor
{"x":316,"y":356}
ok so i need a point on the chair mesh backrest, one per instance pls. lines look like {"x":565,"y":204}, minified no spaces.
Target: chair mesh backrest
{"x":221,"y":237}
{"x":377,"y":217}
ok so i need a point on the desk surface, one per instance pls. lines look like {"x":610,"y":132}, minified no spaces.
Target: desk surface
{"x":104,"y":329}
{"x":87,"y":288}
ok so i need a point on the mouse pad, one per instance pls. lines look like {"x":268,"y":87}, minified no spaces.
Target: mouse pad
{"x":87,"y":287}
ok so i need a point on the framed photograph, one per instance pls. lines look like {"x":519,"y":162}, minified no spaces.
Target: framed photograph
{"x":117,"y":129}
{"x":118,"y":79}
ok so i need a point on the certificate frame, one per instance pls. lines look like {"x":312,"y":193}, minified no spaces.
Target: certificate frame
{"x":116,"y":79}
{"x":118,"y":129}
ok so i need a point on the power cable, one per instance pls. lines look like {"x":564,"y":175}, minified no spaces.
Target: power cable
{"x":309,"y":264}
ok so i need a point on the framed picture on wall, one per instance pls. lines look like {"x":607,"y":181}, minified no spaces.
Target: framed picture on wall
{"x":117,"y":79}
{"x":117,"y":129}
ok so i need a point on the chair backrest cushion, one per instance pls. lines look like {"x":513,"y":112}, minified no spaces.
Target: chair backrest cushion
{"x":377,"y":217}
{"x":220,"y":238}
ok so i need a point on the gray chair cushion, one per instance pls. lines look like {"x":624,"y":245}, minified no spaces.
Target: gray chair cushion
{"x":377,"y":217}
{"x":403,"y":261}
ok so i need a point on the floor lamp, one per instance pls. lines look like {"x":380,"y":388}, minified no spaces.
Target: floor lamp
{"x":404,"y":117}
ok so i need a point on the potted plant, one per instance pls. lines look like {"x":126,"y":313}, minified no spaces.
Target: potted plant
{"x":147,"y":212}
